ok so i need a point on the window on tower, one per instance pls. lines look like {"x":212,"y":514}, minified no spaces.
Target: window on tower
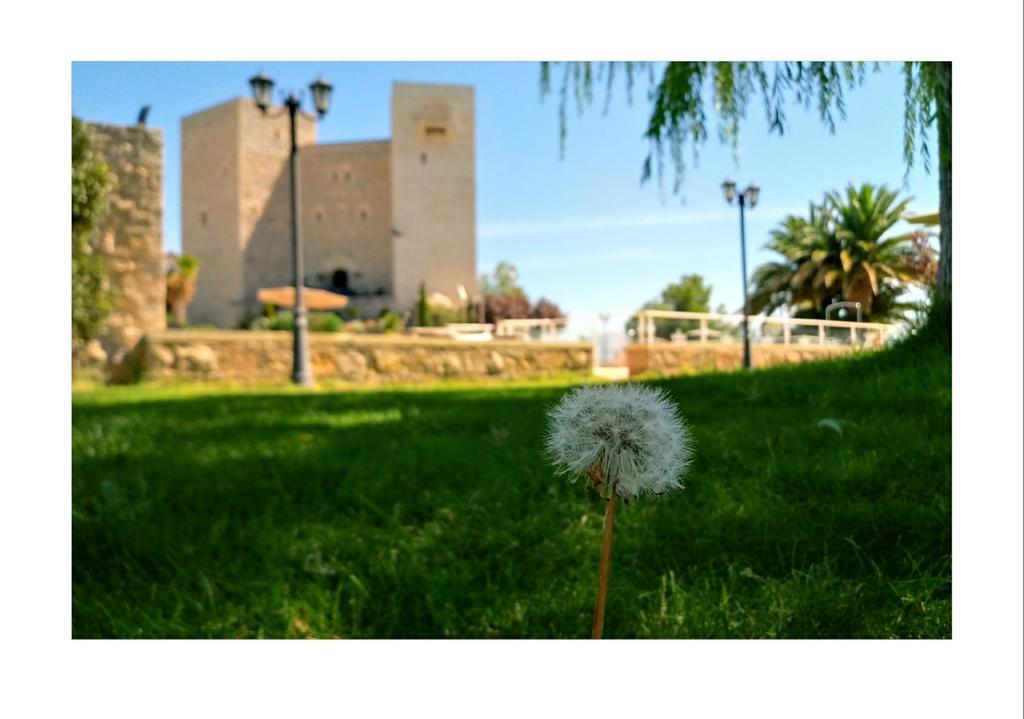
{"x":434,"y":133}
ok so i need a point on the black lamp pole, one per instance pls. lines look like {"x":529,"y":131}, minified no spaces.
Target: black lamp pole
{"x":749,"y":195}
{"x":261,"y":88}
{"x":301,"y":372}
{"x":746,"y":305}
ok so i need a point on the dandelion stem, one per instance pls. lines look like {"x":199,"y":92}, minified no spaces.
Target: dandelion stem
{"x":605,"y":566}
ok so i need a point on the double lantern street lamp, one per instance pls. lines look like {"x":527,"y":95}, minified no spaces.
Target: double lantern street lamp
{"x":262,"y":89}
{"x":747,"y":197}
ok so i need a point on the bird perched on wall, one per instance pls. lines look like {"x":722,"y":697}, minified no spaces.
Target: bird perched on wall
{"x":143,"y":114}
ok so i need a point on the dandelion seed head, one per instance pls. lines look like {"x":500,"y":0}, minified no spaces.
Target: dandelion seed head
{"x":630,"y":433}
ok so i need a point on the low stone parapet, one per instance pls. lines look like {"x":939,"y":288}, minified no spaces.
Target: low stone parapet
{"x":253,"y":356}
{"x":671,"y":358}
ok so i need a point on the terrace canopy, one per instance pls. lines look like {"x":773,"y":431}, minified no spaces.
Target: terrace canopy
{"x":312,"y":298}
{"x":929,"y":219}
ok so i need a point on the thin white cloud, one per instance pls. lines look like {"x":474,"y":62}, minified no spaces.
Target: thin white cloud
{"x":528,"y":228}
{"x":548,"y":261}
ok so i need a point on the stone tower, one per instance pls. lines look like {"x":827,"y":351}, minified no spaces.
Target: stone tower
{"x":377,"y":218}
{"x":234,"y":204}
{"x":433,"y":187}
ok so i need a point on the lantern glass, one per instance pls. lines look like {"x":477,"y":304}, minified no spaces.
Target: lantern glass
{"x":321,"y":90}
{"x":262,"y":87}
{"x":729,"y":190}
{"x":753,"y":192}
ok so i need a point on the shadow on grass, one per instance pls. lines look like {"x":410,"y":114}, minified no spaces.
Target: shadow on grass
{"x":434,"y":514}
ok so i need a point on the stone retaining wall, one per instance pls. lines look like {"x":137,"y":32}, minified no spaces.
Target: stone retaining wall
{"x":251,"y":356}
{"x":668,"y":358}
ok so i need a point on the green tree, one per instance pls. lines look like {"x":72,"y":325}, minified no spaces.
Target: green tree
{"x":91,"y":301}
{"x":840,"y":252}
{"x":690,"y":294}
{"x":503,"y":281}
{"x":423,"y":307}
{"x":679,"y":113}
{"x":504,"y":298}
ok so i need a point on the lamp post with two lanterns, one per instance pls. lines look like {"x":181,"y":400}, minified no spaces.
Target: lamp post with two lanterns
{"x":747,"y":197}
{"x":262,"y":89}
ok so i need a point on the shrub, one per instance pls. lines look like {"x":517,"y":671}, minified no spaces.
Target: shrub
{"x":91,"y":299}
{"x":390,"y":322}
{"x":441,"y":315}
{"x":282,"y":320}
{"x":285,"y":320}
{"x":181,"y":288}
{"x":514,"y":305}
{"x":545,"y":309}
{"x":324,"y":322}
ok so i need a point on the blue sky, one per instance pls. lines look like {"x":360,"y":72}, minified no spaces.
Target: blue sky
{"x":583,"y":231}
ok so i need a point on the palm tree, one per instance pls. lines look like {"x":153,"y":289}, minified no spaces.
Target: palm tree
{"x":806,"y":274}
{"x":181,"y":287}
{"x":839,"y":252}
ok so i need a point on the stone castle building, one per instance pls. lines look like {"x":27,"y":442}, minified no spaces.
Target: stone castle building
{"x":377,"y":218}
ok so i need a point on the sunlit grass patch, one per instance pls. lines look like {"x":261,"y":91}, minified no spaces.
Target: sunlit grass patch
{"x":207,"y":511}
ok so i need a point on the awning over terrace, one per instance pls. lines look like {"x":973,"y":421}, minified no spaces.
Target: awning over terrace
{"x":312,"y":298}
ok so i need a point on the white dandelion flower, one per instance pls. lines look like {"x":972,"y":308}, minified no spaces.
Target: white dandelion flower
{"x":627,"y":436}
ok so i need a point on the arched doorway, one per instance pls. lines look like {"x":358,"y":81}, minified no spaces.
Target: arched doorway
{"x":340,"y":281}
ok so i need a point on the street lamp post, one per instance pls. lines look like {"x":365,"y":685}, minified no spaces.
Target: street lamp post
{"x":604,"y":317}
{"x":262,"y":89}
{"x":747,"y":197}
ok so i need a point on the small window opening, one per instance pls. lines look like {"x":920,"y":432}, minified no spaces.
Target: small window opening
{"x":435,"y":131}
{"x":423,"y":158}
{"x":203,"y":219}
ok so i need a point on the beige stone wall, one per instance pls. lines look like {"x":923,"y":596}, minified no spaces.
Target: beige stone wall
{"x":346,"y":215}
{"x":433,"y":176}
{"x":209,"y":212}
{"x":685,"y":358}
{"x":264,"y":196}
{"x":130,"y":235}
{"x":244,"y":356}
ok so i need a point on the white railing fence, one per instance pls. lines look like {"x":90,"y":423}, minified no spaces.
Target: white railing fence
{"x":467,"y":332}
{"x":542,"y":329}
{"x":521,"y":329}
{"x":705,"y":327}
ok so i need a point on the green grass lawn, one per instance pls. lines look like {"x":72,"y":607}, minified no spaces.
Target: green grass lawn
{"x":206,"y":512}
